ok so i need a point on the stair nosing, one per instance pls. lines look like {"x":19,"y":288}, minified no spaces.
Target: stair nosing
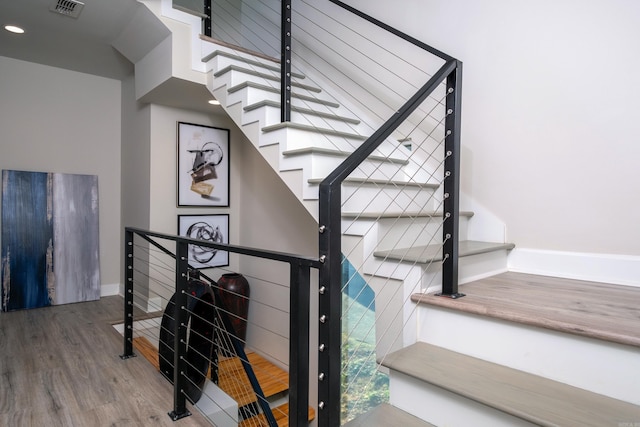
{"x":384,"y":415}
{"x":369,"y":181}
{"x":391,"y":215}
{"x":309,"y":128}
{"x":249,"y":61}
{"x":234,"y":67}
{"x":338,"y":153}
{"x":431,"y":253}
{"x":493,"y":297}
{"x":254,"y":85}
{"x":505,"y":389}
{"x":274,"y":104}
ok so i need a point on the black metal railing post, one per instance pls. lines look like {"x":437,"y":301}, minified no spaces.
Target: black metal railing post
{"x":330,"y":305}
{"x":452,"y":184}
{"x":285,"y":62}
{"x":206,"y":22}
{"x":299,"y":344}
{"x":128,"y":296}
{"x":180,"y":334}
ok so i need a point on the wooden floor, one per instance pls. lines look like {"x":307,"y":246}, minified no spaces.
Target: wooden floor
{"x":594,"y":310}
{"x":60,"y":366}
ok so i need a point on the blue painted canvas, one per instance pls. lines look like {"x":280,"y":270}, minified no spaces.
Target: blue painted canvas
{"x":50,"y":247}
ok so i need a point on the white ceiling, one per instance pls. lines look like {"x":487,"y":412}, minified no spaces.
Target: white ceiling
{"x":82,"y":44}
{"x":86,"y":44}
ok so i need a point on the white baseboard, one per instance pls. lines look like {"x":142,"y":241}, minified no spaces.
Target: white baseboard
{"x":110,"y":289}
{"x":604,"y":268}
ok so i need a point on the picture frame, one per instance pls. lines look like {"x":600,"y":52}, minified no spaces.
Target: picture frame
{"x":203,"y":165}
{"x":214,"y":228}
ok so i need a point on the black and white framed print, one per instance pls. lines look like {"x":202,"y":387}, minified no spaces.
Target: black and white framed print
{"x":212,"y":228}
{"x":203,"y":165}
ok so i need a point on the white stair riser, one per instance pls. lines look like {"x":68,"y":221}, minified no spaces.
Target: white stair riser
{"x":293,"y":139}
{"x":604,"y":368}
{"x":234,"y":77}
{"x":443,"y":408}
{"x":220,"y":62}
{"x":322,"y":164}
{"x":412,"y":232}
{"x":394,"y":319}
{"x":388,"y":198}
{"x":325,"y":122}
{"x":270,"y":115}
{"x":316,"y":166}
{"x":384,"y":233}
{"x":397,"y":317}
{"x":252,"y":95}
{"x":470,"y":268}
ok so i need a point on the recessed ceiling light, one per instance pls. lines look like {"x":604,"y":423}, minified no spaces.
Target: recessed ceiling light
{"x":214,"y":102}
{"x":14,"y":29}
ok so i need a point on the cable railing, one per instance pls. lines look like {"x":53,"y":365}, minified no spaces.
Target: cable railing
{"x":190,"y":329}
{"x":381,"y":112}
{"x":399,"y":245}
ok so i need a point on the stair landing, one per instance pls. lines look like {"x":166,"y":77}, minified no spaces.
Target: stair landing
{"x":594,"y":310}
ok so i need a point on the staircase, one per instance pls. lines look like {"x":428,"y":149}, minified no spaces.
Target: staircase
{"x":497,"y":366}
{"x":438,"y":378}
{"x":321,"y":134}
{"x":523,"y":350}
{"x":384,"y":219}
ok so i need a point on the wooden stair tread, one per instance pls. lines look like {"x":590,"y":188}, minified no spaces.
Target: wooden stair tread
{"x":387,"y":415}
{"x":147,"y":350}
{"x":594,"y":310}
{"x":529,"y":397}
{"x":379,"y":182}
{"x":231,"y":376}
{"x":280,"y":413}
{"x":393,"y":215}
{"x":429,"y":253}
{"x":233,"y":380}
{"x":338,"y":153}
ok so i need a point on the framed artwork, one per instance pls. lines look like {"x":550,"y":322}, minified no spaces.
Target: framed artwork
{"x":213,"y":228}
{"x":203,"y":165}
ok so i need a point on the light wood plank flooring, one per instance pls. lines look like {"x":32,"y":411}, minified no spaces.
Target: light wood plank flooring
{"x":60,"y":366}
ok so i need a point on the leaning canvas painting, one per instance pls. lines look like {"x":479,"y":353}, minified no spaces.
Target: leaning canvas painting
{"x":50,"y":239}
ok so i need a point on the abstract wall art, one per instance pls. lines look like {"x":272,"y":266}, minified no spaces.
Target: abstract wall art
{"x":212,"y":228}
{"x":50,"y":239}
{"x":203,"y":165}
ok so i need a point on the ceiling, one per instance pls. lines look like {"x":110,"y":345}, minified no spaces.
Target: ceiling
{"x":86,"y":43}
{"x":80,"y":44}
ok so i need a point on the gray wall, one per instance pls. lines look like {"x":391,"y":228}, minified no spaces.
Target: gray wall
{"x":54,"y":120}
{"x":550,"y":113}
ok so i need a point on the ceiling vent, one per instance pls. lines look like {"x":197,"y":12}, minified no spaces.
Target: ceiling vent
{"x":70,"y":8}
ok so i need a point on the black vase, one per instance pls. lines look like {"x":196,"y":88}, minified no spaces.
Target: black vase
{"x":234,"y":295}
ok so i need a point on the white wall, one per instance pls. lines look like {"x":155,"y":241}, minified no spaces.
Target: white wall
{"x":550,"y":113}
{"x":273,"y":218}
{"x":263,"y":213}
{"x":54,"y":120}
